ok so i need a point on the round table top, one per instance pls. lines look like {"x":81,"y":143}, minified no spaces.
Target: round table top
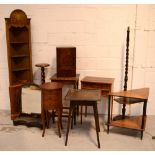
{"x":51,"y":85}
{"x":42,"y":65}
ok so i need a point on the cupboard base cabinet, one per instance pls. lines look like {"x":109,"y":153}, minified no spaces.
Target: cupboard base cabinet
{"x":17,"y":115}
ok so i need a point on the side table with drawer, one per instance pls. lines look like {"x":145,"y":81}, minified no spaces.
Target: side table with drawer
{"x":101,"y":83}
{"x":104,"y":84}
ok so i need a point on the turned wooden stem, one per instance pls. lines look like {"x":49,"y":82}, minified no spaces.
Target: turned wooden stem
{"x":126,"y":68}
{"x":42,"y":66}
{"x":42,"y":75}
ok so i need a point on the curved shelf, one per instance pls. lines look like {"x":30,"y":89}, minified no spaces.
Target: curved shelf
{"x":19,"y":56}
{"x":18,"y":42}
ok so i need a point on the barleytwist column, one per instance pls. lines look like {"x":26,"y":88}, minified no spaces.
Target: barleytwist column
{"x":42,"y":66}
{"x":126,"y":69}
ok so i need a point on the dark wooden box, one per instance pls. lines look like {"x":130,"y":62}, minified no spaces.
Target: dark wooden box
{"x":66,"y":61}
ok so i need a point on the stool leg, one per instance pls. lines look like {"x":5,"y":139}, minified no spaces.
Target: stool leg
{"x":43,"y":122}
{"x":53,"y":116}
{"x":61,"y":119}
{"x":96,"y":123}
{"x":47,"y":119}
{"x":59,"y":122}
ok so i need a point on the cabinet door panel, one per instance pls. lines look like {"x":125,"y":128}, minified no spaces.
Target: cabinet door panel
{"x":66,"y":61}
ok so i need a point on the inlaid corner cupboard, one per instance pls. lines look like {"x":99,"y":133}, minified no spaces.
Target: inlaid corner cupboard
{"x":18,"y":39}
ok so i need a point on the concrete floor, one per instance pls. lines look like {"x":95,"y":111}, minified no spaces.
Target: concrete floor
{"x":82,"y":137}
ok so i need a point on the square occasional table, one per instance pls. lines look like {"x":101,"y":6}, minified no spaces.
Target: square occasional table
{"x":101,"y":83}
{"x":86,"y":98}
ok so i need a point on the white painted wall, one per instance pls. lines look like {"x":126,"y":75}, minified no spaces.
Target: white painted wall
{"x":99,"y":34}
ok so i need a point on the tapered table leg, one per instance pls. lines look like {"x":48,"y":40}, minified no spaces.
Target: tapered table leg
{"x":69,"y":122}
{"x":109,"y":102}
{"x":96,"y":123}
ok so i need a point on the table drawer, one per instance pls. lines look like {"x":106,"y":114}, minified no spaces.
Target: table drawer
{"x":105,"y":88}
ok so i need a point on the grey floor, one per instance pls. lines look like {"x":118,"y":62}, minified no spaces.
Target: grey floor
{"x":82,"y":137}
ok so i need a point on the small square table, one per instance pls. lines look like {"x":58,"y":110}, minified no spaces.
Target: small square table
{"x":86,"y":98}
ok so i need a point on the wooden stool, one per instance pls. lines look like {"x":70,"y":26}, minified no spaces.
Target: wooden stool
{"x":51,"y":98}
{"x":68,"y":81}
{"x":42,"y":66}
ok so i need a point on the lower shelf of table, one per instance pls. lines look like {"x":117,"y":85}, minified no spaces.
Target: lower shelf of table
{"x":132,"y":122}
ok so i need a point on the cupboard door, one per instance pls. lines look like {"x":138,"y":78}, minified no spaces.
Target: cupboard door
{"x":66,"y":61}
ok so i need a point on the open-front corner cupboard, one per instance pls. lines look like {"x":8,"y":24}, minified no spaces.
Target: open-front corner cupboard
{"x":18,"y":38}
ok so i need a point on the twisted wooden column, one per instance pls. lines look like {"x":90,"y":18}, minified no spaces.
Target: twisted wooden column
{"x":42,"y":66}
{"x":126,"y":68}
